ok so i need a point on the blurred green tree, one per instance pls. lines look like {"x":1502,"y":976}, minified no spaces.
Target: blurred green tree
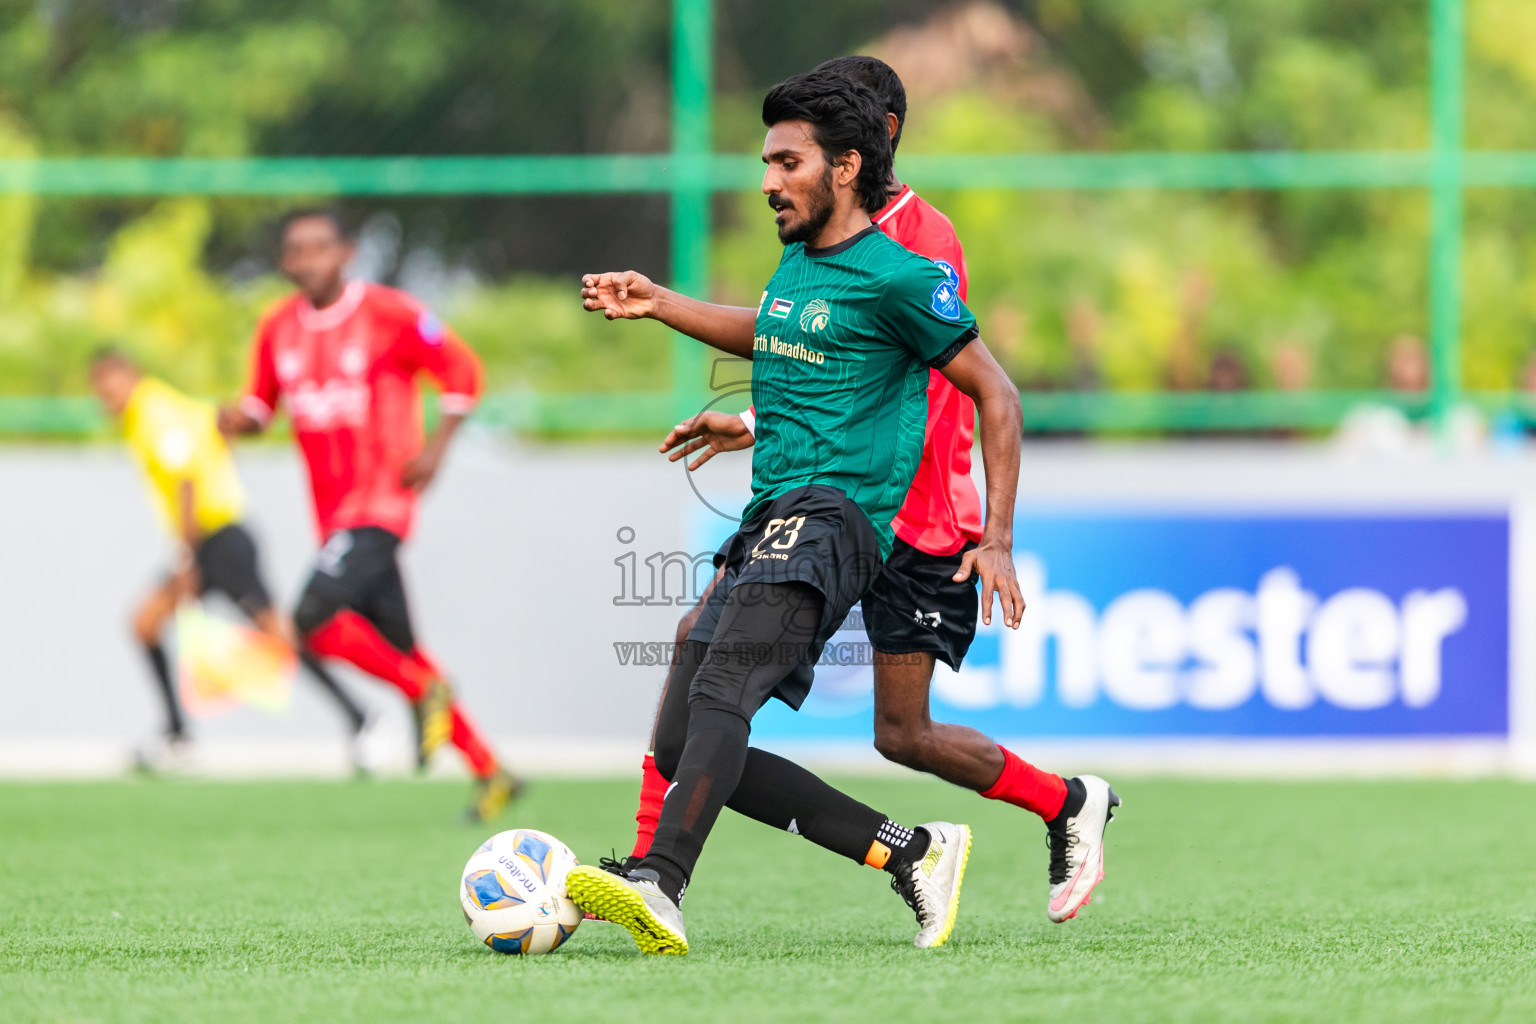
{"x":1129,"y":290}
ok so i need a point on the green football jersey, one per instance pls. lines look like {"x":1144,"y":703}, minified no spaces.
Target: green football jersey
{"x":845,"y":336}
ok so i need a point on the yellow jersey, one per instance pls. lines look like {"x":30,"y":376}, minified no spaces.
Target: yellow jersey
{"x":176,"y":438}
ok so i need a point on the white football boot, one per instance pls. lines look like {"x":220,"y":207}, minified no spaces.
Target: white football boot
{"x":634,"y":902}
{"x":1077,"y":849}
{"x":165,"y":755}
{"x":931,"y":886}
{"x":370,"y":747}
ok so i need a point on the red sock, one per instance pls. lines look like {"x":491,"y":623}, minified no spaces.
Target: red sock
{"x":477,"y":753}
{"x":653,"y":788}
{"x":352,"y":638}
{"x":425,"y":662}
{"x":1024,"y":785}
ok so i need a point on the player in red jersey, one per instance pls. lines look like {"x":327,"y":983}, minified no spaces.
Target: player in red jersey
{"x":344,"y":357}
{"x":923,"y":606}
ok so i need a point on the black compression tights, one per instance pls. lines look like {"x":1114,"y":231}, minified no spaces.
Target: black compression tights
{"x":702,"y":731}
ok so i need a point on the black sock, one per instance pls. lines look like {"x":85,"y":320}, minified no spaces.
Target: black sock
{"x":780,"y":793}
{"x":1077,"y":795}
{"x":713,"y":758}
{"x":174,"y":727}
{"x":905,"y":845}
{"x":331,"y":685}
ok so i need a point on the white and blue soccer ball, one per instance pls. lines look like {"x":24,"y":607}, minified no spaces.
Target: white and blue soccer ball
{"x":513,"y":892}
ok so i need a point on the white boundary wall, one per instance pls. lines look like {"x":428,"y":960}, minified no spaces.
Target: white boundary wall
{"x":513,"y":576}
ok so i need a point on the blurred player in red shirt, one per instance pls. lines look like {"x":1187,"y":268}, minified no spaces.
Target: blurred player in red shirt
{"x":923,"y":605}
{"x":344,"y":357}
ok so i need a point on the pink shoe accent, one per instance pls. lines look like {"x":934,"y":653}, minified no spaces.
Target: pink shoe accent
{"x":1067,"y":893}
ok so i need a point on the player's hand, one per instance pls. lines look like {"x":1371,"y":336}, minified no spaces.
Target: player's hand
{"x":420,"y":471}
{"x":993,"y":562}
{"x":234,"y":421}
{"x":625,"y":295}
{"x":712,"y":432}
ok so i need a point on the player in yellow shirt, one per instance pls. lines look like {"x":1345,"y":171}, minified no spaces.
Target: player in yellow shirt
{"x":176,"y":441}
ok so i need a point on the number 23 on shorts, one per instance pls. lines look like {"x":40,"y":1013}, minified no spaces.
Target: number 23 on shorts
{"x":784,"y":533}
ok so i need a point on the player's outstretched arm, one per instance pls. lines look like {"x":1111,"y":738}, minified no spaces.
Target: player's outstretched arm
{"x":627,"y":295}
{"x":712,"y":431}
{"x":976,"y":373}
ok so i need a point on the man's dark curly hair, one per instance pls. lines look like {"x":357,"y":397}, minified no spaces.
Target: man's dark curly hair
{"x":330,"y":213}
{"x":844,"y":114}
{"x":880,"y":77}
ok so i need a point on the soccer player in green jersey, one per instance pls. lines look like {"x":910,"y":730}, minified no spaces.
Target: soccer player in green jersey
{"x":841,"y":343}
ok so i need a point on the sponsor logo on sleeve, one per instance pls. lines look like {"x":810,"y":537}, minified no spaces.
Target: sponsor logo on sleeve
{"x":780,"y":308}
{"x":946,"y":302}
{"x":430,"y":328}
{"x":949,"y":272}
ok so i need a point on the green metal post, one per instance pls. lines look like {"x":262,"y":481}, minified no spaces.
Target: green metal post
{"x":692,"y":83}
{"x":1447,"y":62}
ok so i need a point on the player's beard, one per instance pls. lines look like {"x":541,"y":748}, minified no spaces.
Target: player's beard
{"x":819,"y":202}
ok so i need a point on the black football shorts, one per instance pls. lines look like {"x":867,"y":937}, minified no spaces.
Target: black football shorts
{"x":226,"y":563}
{"x":359,"y":569}
{"x":915,"y":605}
{"x":814,"y":535}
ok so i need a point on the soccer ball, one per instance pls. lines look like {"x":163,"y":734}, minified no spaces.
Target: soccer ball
{"x":513,"y":892}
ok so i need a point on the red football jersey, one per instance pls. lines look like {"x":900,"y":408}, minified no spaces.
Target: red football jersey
{"x":347,"y":374}
{"x":942,"y":510}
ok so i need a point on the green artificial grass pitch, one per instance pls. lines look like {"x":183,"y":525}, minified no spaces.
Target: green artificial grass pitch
{"x":292,"y":902}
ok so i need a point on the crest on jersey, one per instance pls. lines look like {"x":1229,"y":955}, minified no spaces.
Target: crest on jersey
{"x":289,"y":365}
{"x":946,"y":301}
{"x":815,"y":316}
{"x":430,"y":328}
{"x":949,"y":272}
{"x":175,"y":449}
{"x":780,"y":308}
